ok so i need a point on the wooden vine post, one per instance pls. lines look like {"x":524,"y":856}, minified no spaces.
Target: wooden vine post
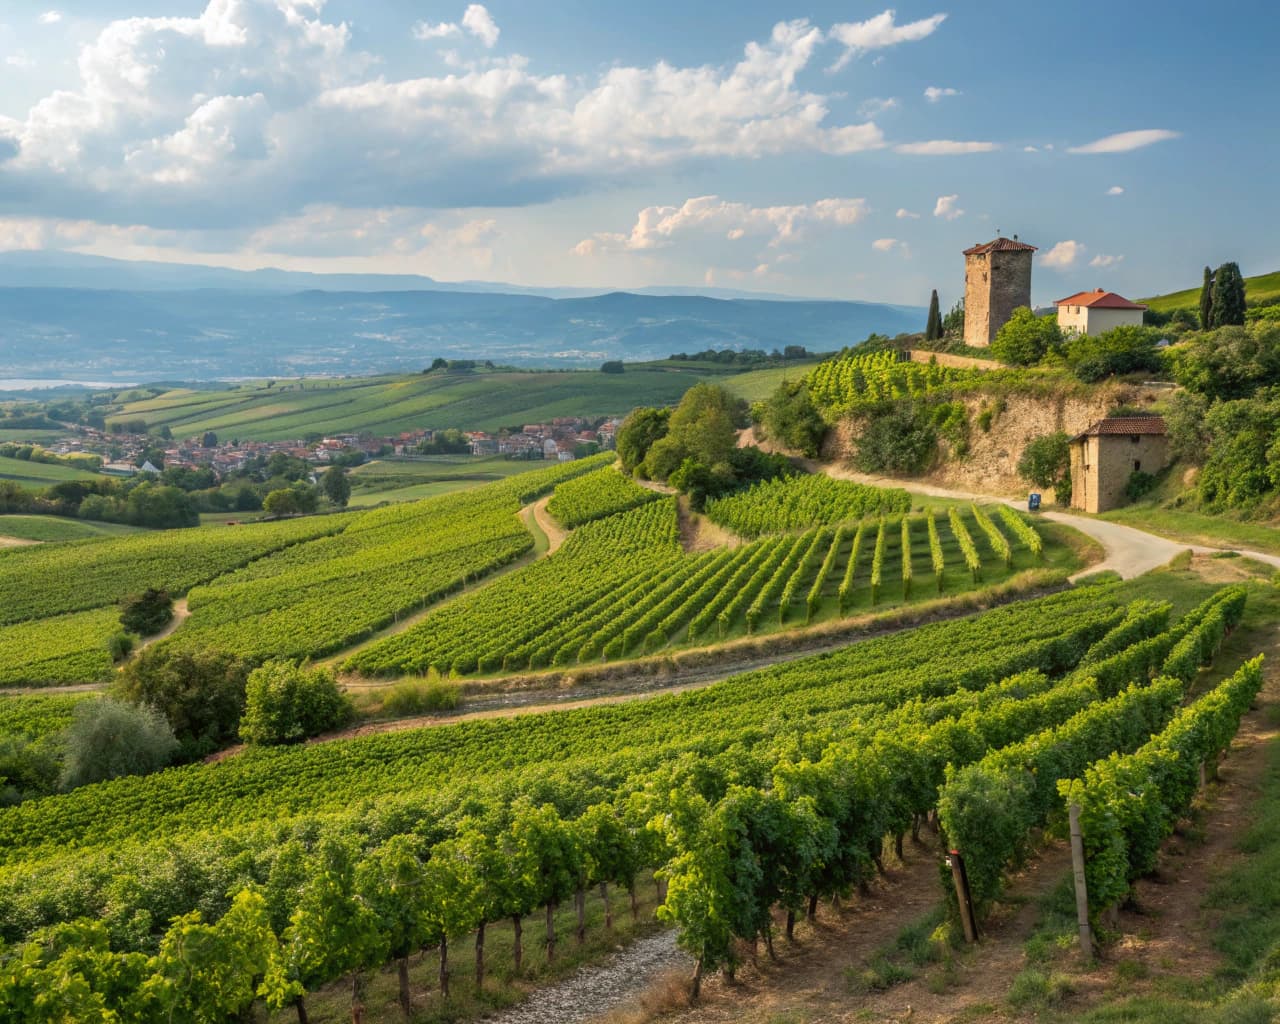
{"x":964,"y":899}
{"x":1077,"y":875}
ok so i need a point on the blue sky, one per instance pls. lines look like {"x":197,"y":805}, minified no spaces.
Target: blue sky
{"x":846,"y":150}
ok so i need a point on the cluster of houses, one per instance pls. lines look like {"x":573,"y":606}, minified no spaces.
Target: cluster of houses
{"x":558,"y":440}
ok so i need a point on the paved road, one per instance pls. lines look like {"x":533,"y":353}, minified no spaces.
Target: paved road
{"x":1129,"y":551}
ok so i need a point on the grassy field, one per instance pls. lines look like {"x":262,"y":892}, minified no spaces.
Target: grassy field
{"x":482,"y":400}
{"x":40,"y":474}
{"x":31,"y":436}
{"x":1264,"y":286}
{"x":58,"y":528}
{"x":402,"y":480}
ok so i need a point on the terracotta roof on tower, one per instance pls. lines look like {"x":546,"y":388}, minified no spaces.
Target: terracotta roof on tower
{"x":1000,"y":245}
{"x":1099,"y":299}
{"x":1126,"y":426}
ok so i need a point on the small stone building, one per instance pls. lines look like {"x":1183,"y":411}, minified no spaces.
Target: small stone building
{"x":997,"y":280}
{"x":1105,"y":456}
{"x":1097,"y":311}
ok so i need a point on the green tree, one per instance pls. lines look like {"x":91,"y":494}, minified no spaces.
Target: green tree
{"x":109,"y":738}
{"x":153,"y":455}
{"x":1025,"y":338}
{"x":336,"y":486}
{"x":933,"y":325}
{"x":703,"y":427}
{"x":1231,"y":362}
{"x":147,"y":613}
{"x":791,"y":418}
{"x":282,"y":502}
{"x":1206,"y":301}
{"x":210,"y":440}
{"x":613,"y":366}
{"x":286,"y":703}
{"x":391,"y":882}
{"x":1228,"y":296}
{"x":1046,"y":462}
{"x":637,"y":434}
{"x":901,"y":440}
{"x":1121,"y":350}
{"x":200,"y":693}
{"x":953,"y":322}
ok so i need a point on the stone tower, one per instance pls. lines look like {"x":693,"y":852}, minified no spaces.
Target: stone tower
{"x":997,"y":280}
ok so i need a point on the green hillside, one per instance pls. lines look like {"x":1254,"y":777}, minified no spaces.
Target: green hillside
{"x":1264,"y":286}
{"x":40,"y":474}
{"x":479,"y":400}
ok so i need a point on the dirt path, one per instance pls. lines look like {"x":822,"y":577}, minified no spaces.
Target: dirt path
{"x":180,"y":615}
{"x":556,"y":534}
{"x":16,"y":542}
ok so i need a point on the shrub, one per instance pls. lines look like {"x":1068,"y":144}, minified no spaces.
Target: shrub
{"x":791,"y":417}
{"x":121,"y":645}
{"x":1046,"y":462}
{"x":27,"y":769}
{"x":109,"y":738}
{"x":1140,"y":484}
{"x":418,"y":697}
{"x":286,"y":703}
{"x":146,"y":613}
{"x":903,"y":440}
{"x":201,"y":695}
{"x":1025,"y":338}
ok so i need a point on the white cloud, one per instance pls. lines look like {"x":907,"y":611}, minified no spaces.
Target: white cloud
{"x":876,"y":106}
{"x":1124,"y":142}
{"x":1063,"y":255}
{"x":658,"y":227}
{"x":479,"y":22}
{"x":946,"y":207}
{"x":905,"y":214}
{"x":228,"y":118}
{"x":1115,"y":190}
{"x":890,"y":244}
{"x":1103,"y":261}
{"x":476,"y":20}
{"x":1030,"y":149}
{"x":50,"y":18}
{"x":944,"y":147}
{"x":20,"y":60}
{"x":880,"y":32}
{"x":933,"y":93}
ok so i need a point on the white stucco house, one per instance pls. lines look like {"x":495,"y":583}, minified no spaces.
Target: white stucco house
{"x":1097,"y":311}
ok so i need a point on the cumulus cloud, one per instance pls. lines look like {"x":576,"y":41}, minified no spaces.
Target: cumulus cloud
{"x":905,"y":214}
{"x":1030,"y":149}
{"x":50,"y":18}
{"x":1063,"y":255}
{"x":1115,"y":190}
{"x":229,"y":117}
{"x":880,"y":32}
{"x":658,"y":227}
{"x":891,"y":244}
{"x":1124,"y":142}
{"x":946,"y":207}
{"x":1103,"y":261}
{"x":944,"y":147}
{"x":476,"y":21}
{"x":933,"y":93}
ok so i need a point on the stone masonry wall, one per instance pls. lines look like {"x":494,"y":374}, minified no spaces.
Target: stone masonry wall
{"x":995,"y":284}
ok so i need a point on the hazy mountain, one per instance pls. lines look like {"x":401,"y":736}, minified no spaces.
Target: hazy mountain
{"x":226,"y":329}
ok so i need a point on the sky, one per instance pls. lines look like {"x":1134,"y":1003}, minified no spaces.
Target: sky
{"x":843,"y":150}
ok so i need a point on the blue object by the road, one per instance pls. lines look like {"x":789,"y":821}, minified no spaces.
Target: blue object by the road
{"x":1033,"y":502}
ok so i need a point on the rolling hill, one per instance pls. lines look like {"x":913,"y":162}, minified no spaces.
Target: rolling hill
{"x":1263,"y":286}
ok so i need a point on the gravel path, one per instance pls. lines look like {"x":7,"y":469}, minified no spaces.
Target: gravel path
{"x":595,"y":989}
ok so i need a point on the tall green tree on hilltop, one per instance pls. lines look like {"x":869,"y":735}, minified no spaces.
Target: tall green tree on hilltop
{"x":1206,"y":301}
{"x":933,"y":326}
{"x":1228,"y":296}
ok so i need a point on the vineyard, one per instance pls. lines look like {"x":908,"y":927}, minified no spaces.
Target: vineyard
{"x":596,"y":495}
{"x":298,"y":587}
{"x":758,"y":795}
{"x":852,"y":383}
{"x":791,"y":503}
{"x":621,"y":588}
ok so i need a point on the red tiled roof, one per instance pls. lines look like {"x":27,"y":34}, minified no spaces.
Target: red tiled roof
{"x":1099,"y":299}
{"x":1000,"y":245}
{"x":1127,"y":426}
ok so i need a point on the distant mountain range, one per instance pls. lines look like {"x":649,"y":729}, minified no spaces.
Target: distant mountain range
{"x":65,"y":315}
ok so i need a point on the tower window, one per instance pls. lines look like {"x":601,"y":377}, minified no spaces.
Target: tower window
{"x":1137,"y":465}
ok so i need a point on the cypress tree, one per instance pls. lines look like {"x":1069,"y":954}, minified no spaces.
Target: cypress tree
{"x":1206,"y":300}
{"x":933,"y":326}
{"x":1228,"y":296}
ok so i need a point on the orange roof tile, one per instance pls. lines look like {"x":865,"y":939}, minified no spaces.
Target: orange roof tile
{"x":1099,"y":299}
{"x":999,"y":245}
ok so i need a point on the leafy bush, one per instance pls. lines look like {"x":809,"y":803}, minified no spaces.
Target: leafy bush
{"x":146,"y":613}
{"x":1025,"y":338}
{"x":27,"y":769}
{"x":1046,"y":462}
{"x":285,"y":703}
{"x":420,"y":697}
{"x":109,"y":738}
{"x":903,"y":440}
{"x":791,"y":418}
{"x":1140,"y":484}
{"x":121,"y":645}
{"x":1127,"y":349}
{"x":201,"y":694}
